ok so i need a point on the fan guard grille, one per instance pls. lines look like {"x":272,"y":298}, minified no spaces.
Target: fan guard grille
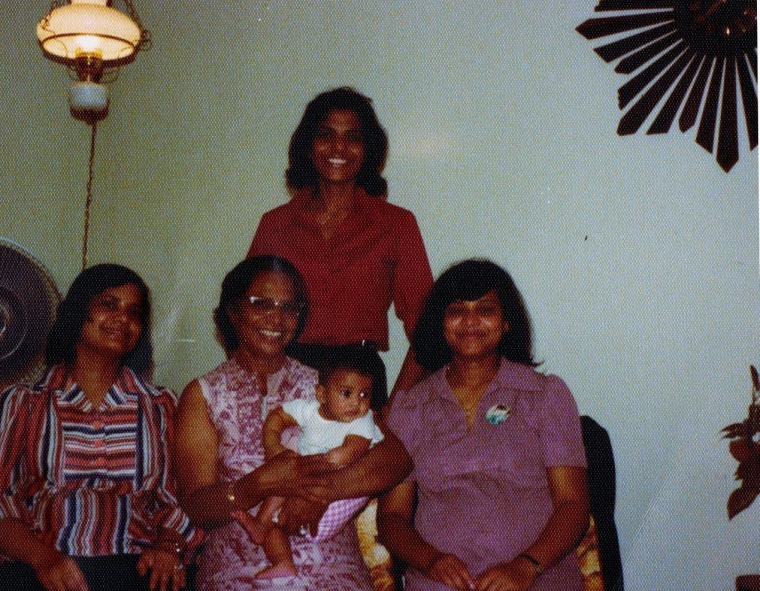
{"x":28,"y":302}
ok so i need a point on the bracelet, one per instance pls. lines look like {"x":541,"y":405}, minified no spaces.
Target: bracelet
{"x":230,"y":494}
{"x":534,"y":563}
{"x":172,"y":546}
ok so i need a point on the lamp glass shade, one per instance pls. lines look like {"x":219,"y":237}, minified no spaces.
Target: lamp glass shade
{"x":88,"y":29}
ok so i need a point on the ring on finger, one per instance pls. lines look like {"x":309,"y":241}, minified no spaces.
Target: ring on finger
{"x":303,"y":531}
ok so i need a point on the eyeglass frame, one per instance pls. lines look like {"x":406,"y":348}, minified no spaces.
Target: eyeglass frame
{"x":292,"y":308}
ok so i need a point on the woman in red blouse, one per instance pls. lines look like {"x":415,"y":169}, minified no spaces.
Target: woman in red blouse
{"x":357,"y":253}
{"x":87,"y":500}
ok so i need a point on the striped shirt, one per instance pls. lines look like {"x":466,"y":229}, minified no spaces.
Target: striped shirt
{"x":92,"y":481}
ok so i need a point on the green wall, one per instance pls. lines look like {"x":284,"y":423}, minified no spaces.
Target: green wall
{"x":637,"y":256}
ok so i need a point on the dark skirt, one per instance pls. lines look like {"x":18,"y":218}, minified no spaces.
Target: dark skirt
{"x":103,"y":573}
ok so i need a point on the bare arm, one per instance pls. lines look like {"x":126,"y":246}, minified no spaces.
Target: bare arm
{"x":383,"y":466}
{"x":410,"y":374}
{"x":276,"y":423}
{"x":566,"y":526}
{"x":209,"y":502}
{"x":55,"y":571}
{"x":352,"y":448}
{"x":195,"y":452}
{"x":397,"y":532}
{"x":569,"y":520}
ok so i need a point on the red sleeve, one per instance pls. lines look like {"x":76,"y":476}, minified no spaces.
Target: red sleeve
{"x":20,"y":419}
{"x":413,"y":278}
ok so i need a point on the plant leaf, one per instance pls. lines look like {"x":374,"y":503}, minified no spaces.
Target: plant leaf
{"x":740,"y":499}
{"x":733,"y":430}
{"x":740,"y":450}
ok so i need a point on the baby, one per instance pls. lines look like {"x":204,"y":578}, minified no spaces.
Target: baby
{"x":339,"y":424}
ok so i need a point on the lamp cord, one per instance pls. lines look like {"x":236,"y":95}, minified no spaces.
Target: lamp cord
{"x":88,"y":201}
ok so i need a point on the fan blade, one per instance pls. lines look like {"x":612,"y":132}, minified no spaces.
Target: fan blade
{"x":728,"y":140}
{"x":635,"y":117}
{"x":664,"y":119}
{"x":601,"y":27}
{"x":706,"y":131}
{"x":749,"y":100}
{"x":635,"y":85}
{"x":691,"y":108}
{"x":622,"y":47}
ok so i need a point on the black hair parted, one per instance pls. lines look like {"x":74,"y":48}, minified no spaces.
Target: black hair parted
{"x":301,"y":171}
{"x":470,"y":280}
{"x":365,"y":361}
{"x":74,"y":310}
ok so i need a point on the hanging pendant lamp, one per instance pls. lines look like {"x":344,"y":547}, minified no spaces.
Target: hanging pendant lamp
{"x":92,"y":39}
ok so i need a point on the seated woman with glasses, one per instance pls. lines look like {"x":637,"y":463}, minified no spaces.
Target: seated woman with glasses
{"x":220,"y":453}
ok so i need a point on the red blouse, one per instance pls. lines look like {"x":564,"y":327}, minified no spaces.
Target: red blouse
{"x":375,"y":257}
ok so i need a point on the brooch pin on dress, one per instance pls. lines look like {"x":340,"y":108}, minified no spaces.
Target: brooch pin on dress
{"x":497,"y":414}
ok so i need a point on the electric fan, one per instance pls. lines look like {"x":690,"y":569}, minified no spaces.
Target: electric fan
{"x":28,"y":301}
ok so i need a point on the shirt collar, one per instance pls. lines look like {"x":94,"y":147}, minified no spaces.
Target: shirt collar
{"x":361,"y":212}
{"x":124,"y":390}
{"x":518,"y":376}
{"x":510,"y":375}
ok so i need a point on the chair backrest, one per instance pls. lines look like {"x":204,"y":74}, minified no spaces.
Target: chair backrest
{"x":602,"y":491}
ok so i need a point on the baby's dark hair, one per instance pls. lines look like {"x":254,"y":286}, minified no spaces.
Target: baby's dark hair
{"x":362,"y":360}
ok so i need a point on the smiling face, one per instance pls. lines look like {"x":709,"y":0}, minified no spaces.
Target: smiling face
{"x":346,"y":396}
{"x":473,"y":329}
{"x":113,"y":324}
{"x":266,"y":324}
{"x":338,"y":147}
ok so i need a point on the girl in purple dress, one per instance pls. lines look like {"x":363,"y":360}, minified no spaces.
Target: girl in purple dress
{"x":499,"y":474}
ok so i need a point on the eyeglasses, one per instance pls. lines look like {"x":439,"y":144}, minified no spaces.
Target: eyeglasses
{"x":260,"y":305}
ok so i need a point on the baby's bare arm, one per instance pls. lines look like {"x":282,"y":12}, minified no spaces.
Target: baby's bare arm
{"x":277,"y":421}
{"x":352,"y":448}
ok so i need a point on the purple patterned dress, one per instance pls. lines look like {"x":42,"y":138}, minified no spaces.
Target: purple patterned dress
{"x":229,"y":560}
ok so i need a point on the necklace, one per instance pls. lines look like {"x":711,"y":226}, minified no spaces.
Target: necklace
{"x":468,"y":393}
{"x":329,"y":214}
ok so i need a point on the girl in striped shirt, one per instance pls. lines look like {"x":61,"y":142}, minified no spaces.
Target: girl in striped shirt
{"x":87,"y":501}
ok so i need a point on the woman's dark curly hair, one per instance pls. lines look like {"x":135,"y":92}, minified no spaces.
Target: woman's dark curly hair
{"x":467,"y":281}
{"x":301,"y":171}
{"x":74,"y":310}
{"x":236,"y":283}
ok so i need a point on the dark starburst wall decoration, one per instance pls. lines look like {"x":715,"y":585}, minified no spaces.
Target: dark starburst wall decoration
{"x":684,"y":56}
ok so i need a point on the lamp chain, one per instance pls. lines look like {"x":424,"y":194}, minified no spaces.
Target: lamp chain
{"x":88,"y":201}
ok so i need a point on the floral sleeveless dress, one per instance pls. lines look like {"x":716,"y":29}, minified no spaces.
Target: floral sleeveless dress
{"x":229,"y":560}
